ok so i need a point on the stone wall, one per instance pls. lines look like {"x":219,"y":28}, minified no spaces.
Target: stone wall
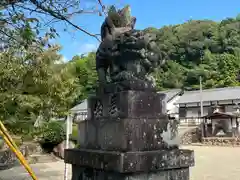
{"x":191,"y":136}
{"x":221,"y":141}
{"x":194,"y":136}
{"x":8,"y":159}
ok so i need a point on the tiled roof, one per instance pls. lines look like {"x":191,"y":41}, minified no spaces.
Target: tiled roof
{"x":218,"y":94}
{"x":171,"y":93}
{"x":80,"y":107}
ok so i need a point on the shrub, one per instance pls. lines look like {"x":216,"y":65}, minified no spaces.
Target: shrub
{"x":27,"y":137}
{"x":74,"y":135}
{"x":52,"y":132}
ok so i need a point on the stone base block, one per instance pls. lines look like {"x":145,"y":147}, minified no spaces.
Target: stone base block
{"x":130,"y":162}
{"x":141,"y":134}
{"x":80,"y":173}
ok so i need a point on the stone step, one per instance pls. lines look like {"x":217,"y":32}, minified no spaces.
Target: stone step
{"x":130,"y":162}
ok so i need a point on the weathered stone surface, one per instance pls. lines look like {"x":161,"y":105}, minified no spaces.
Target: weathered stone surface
{"x":127,"y":104}
{"x":80,"y":173}
{"x":59,"y":149}
{"x":130,"y":56}
{"x":136,"y":85}
{"x":130,"y":134}
{"x":7,"y":159}
{"x":193,"y":135}
{"x":129,"y":162}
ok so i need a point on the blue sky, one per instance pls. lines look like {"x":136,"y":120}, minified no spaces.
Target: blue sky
{"x":149,"y":13}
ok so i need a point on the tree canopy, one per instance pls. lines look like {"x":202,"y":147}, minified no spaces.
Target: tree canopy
{"x":34,"y":82}
{"x":192,"y":49}
{"x":31,"y":85}
{"x":199,"y":48}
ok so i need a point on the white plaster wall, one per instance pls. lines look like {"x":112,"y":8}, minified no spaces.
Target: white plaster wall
{"x":195,"y":111}
{"x":192,"y":112}
{"x":225,"y":102}
{"x":238,"y":123}
{"x":172,"y":107}
{"x":229,"y":108}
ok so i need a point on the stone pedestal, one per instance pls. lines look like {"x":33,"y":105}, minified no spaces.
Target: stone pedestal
{"x":128,"y":136}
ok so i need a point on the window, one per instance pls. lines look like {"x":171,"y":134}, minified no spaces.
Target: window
{"x":182,"y":112}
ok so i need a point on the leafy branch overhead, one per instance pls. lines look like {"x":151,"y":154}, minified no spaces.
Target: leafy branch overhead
{"x":32,"y":17}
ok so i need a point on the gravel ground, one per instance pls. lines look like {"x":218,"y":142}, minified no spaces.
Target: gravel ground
{"x":212,"y":163}
{"x":215,"y":163}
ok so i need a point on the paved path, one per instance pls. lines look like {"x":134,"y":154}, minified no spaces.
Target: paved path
{"x":212,"y":163}
{"x":44,"y":171}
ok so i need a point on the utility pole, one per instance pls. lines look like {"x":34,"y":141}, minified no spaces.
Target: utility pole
{"x":69,"y":121}
{"x":201,"y":102}
{"x":201,"y":106}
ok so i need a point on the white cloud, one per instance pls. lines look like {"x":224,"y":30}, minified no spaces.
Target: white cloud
{"x":88,"y":47}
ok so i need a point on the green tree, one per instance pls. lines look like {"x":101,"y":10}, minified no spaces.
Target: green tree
{"x":30,"y":86}
{"x":37,"y":17}
{"x":171,"y":75}
{"x":199,"y":48}
{"x":84,"y":68}
{"x":228,"y":65}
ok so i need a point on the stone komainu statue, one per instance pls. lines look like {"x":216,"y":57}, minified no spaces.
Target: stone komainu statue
{"x":125,"y":53}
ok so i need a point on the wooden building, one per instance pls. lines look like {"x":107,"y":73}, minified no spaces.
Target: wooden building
{"x":189,"y":103}
{"x":221,"y":124}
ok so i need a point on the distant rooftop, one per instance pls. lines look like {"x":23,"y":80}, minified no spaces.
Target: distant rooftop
{"x":217,"y":94}
{"x":80,"y":107}
{"x":171,"y":93}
